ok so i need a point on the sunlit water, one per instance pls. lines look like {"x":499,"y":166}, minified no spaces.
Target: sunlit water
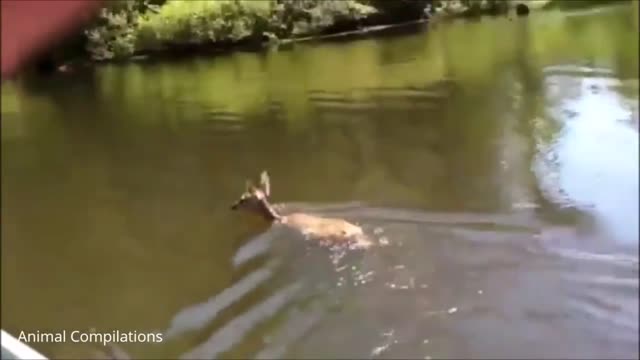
{"x":494,"y":163}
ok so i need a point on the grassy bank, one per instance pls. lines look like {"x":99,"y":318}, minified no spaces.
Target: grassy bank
{"x":128,"y":28}
{"x":136,"y":27}
{"x":176,"y":26}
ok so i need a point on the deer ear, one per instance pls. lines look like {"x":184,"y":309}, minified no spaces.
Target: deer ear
{"x":248,"y":185}
{"x":265,"y":184}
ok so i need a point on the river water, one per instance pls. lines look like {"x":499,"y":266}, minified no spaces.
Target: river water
{"x":495,"y":163}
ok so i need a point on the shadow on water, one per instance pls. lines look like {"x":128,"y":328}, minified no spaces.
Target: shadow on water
{"x":500,"y":188}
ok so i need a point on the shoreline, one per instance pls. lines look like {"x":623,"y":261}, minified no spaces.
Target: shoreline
{"x":179,"y":50}
{"x":173,"y":51}
{"x":370,"y":27}
{"x":374,"y":25}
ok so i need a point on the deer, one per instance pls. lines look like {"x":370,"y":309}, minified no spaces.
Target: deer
{"x":326,"y":231}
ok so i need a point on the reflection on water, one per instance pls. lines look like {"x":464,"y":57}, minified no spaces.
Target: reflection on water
{"x":501,"y":187}
{"x":593,"y":161}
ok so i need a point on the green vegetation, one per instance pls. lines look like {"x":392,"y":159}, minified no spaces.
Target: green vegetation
{"x":137,"y":27}
{"x":127,"y":28}
{"x":131,"y":27}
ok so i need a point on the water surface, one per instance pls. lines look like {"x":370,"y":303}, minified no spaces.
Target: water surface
{"x":494,"y":162}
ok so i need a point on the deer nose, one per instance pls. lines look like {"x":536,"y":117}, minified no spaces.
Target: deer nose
{"x":234,"y":206}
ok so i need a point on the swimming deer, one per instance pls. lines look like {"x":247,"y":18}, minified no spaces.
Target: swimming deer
{"x":327,"y":231}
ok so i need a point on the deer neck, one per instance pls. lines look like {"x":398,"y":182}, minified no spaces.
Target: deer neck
{"x":268,"y":212}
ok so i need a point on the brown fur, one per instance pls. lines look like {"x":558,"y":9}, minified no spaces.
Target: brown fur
{"x":327,"y":231}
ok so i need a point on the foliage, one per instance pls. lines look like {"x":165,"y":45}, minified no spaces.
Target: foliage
{"x":129,"y":26}
{"x":312,"y":16}
{"x":114,"y":32}
{"x":202,"y":21}
{"x":473,"y":7}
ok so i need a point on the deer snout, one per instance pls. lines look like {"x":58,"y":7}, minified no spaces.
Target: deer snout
{"x":234,"y":206}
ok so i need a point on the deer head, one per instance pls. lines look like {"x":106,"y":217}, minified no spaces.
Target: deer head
{"x":255,"y":198}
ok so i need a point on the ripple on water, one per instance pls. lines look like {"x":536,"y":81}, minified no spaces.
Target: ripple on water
{"x":233,"y":332}
{"x":452,"y":289}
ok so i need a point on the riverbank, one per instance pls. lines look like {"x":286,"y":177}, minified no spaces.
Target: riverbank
{"x":142,"y":29}
{"x":135,"y":30}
